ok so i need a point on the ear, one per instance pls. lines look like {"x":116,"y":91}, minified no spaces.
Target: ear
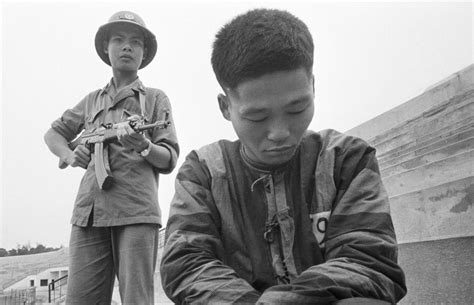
{"x":145,"y":53}
{"x":105,"y":47}
{"x":224,"y":105}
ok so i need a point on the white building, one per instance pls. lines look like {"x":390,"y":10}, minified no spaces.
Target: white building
{"x":41,"y":281}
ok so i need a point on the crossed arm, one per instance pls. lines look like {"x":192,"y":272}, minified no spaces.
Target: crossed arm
{"x":360,"y":251}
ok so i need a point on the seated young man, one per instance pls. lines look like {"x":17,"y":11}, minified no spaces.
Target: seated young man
{"x":283,"y":214}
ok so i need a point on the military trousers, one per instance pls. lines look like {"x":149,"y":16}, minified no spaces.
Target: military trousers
{"x":99,"y":254}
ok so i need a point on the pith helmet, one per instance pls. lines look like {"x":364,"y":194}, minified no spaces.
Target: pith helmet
{"x":128,"y":18}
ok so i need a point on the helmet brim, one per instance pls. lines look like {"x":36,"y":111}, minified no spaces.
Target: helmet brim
{"x":102,"y":35}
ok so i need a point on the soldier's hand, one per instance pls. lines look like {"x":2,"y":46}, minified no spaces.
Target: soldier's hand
{"x":131,"y":139}
{"x":81,"y":156}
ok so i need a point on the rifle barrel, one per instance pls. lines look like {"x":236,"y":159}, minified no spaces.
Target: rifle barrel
{"x":159,"y":124}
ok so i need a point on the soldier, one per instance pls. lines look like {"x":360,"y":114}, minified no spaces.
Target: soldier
{"x":283,"y":215}
{"x":115,"y":230}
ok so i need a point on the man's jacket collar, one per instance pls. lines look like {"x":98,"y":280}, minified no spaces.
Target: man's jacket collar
{"x":266,"y":169}
{"x":130,"y":90}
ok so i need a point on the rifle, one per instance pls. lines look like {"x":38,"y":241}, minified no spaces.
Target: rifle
{"x":96,"y":138}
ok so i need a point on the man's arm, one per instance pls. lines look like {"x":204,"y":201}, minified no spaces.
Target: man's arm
{"x":59,"y":146}
{"x":192,"y":267}
{"x":63,"y":130}
{"x":360,"y":244}
{"x":158,"y":156}
{"x":164,"y":151}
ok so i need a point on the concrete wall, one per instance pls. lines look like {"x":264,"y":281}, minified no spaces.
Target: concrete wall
{"x":48,"y":275}
{"x":425,"y":149}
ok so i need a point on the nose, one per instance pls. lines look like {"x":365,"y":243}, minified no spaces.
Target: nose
{"x":126,"y":47}
{"x":279,"y":131}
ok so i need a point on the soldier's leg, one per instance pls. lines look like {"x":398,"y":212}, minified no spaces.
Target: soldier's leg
{"x":135,"y":253}
{"x":91,"y":272}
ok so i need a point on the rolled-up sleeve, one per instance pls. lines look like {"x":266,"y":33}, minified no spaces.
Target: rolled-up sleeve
{"x":71,"y":122}
{"x":166,"y":137}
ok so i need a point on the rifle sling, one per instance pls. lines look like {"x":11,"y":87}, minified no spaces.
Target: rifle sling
{"x":142,"y":103}
{"x":101,"y":154}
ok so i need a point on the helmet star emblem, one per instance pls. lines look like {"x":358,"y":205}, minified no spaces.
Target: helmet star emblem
{"x":129,"y":16}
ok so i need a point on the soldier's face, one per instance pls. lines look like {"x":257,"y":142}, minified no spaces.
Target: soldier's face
{"x":125,"y":48}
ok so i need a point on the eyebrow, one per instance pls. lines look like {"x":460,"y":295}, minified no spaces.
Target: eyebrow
{"x":124,"y":33}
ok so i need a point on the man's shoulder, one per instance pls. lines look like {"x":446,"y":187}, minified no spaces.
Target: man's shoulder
{"x":154,"y":91}
{"x":333,"y":140}
{"x":205,"y":162}
{"x":214,"y":154}
{"x":216,"y":150}
{"x":94,"y":93}
{"x":155,"y":94}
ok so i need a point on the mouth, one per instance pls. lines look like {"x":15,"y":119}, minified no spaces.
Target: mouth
{"x":126,"y":57}
{"x":280,"y":149}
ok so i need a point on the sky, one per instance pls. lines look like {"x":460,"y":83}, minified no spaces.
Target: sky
{"x":369,"y":58}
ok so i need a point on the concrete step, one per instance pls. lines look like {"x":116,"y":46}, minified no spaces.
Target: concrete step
{"x":454,"y":133}
{"x":452,"y":168}
{"x":447,"y":111}
{"x":441,"y":211}
{"x":461,"y":128}
{"x":426,"y":130}
{"x":438,"y":271}
{"x":456,"y":84}
{"x":454,"y":136}
{"x":413,"y":160}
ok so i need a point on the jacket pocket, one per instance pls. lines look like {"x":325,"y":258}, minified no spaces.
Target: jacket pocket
{"x":94,"y":119}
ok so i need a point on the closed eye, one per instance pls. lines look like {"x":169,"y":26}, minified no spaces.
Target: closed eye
{"x":297,"y":111}
{"x":254,"y":114}
{"x":298,"y":106}
{"x":256,"y":119}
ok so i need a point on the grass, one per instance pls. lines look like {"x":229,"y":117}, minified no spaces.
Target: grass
{"x":15,"y":268}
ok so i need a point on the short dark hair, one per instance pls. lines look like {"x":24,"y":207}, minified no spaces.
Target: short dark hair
{"x":259,"y":42}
